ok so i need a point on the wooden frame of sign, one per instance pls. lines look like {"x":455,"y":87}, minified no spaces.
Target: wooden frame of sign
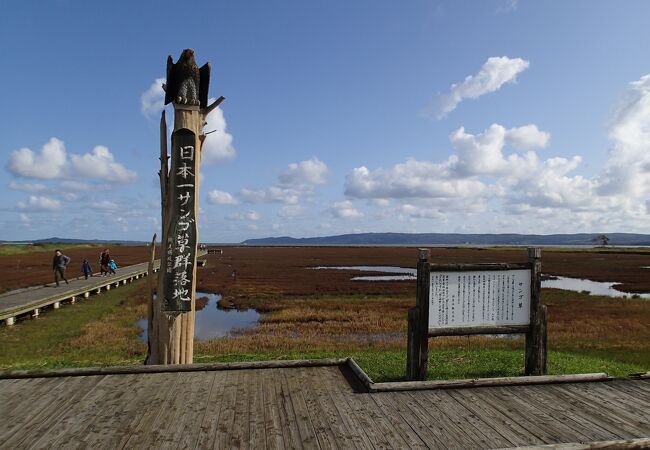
{"x":470,"y":299}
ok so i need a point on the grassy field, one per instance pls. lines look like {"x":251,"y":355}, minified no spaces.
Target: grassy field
{"x":586,"y":334}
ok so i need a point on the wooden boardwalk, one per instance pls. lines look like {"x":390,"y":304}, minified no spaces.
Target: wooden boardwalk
{"x":306,"y":407}
{"x":32,"y":300}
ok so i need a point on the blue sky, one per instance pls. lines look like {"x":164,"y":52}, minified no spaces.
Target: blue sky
{"x":340,"y":116}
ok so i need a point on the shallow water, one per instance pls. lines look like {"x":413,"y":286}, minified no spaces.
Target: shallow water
{"x":408,"y":274}
{"x":593,"y":287}
{"x":212,"y":322}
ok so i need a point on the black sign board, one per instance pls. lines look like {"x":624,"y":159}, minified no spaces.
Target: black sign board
{"x":181,"y":238}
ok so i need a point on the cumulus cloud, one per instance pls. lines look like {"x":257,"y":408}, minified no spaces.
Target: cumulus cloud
{"x":48,"y":164}
{"x":40,"y":203}
{"x":217,"y":197}
{"x":344,"y":210}
{"x":248,"y":216}
{"x":101,"y":164}
{"x":627,"y":171}
{"x":290,"y":211}
{"x":299,"y":180}
{"x":311,"y":171}
{"x":495,"y":72}
{"x":152,"y":101}
{"x":53,"y":162}
{"x":217,"y":146}
{"x":527,"y":137}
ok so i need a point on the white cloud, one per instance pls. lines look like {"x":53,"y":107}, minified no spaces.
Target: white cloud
{"x":75,"y":185}
{"x":217,"y":197}
{"x":507,"y":6}
{"x":153,"y":99}
{"x":53,"y":162}
{"x":252,"y":215}
{"x":48,"y":164}
{"x":217,"y":146}
{"x":311,"y":171}
{"x":101,"y":164}
{"x":27,"y":187}
{"x":627,"y":171}
{"x":344,"y":210}
{"x":40,"y":203}
{"x":527,"y":137}
{"x":496,"y":71}
{"x":273,"y":194}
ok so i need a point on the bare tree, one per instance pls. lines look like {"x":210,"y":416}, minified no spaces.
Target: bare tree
{"x":601,"y":239}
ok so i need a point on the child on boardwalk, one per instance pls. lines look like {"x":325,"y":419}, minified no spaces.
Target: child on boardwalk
{"x":86,"y":269}
{"x":112,"y":266}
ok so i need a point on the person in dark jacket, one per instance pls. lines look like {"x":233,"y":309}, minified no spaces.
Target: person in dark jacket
{"x":86,"y":269}
{"x":104,"y":259}
{"x":59,"y":264}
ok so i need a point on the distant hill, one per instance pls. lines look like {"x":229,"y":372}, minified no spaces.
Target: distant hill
{"x":57,"y":240}
{"x":455,"y":239}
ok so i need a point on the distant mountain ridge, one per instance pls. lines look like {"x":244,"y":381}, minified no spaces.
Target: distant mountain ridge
{"x":456,"y":239}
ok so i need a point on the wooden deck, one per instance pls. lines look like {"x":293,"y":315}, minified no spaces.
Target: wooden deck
{"x":307,"y":407}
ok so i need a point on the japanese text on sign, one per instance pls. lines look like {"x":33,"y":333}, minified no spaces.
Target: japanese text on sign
{"x":479,"y":298}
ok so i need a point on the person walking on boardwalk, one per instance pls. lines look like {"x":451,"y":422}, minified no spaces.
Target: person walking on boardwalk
{"x":86,"y":269}
{"x":104,"y":259}
{"x":112,"y":266}
{"x":59,"y":264}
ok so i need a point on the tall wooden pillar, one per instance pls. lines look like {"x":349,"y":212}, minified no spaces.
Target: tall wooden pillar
{"x":536,"y":337}
{"x":171,"y":334}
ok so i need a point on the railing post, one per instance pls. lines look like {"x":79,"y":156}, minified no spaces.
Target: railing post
{"x":421,"y":347}
{"x":536,"y":337}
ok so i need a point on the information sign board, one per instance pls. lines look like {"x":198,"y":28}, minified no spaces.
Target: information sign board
{"x":479,"y":298}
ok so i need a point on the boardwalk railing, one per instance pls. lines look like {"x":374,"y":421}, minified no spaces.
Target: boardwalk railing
{"x":32,"y":300}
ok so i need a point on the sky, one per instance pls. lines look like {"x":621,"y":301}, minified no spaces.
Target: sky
{"x":423,"y":116}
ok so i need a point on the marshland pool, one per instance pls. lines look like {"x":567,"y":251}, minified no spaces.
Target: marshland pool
{"x":213,"y":322}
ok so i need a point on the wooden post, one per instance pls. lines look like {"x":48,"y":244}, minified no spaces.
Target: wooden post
{"x":171,"y":333}
{"x":413,"y":344}
{"x":420,"y":354}
{"x":536,"y":337}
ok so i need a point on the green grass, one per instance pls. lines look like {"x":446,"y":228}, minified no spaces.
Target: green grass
{"x":50,"y":341}
{"x":101,"y":331}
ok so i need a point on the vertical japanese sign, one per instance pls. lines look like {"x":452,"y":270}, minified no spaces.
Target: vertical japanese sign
{"x":181,"y":238}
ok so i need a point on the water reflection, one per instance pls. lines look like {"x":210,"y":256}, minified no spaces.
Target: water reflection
{"x":211,"y":321}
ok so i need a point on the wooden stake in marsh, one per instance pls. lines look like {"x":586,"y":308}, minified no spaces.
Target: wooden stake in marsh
{"x":171,"y":334}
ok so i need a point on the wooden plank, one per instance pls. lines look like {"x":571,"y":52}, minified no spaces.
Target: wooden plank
{"x":275,"y":438}
{"x":397,"y":414}
{"x":432,"y":431}
{"x":210,"y":423}
{"x":119,"y":417}
{"x":287,"y":414}
{"x":339,"y":390}
{"x":617,"y":401}
{"x":477,"y":267}
{"x":15,"y":392}
{"x":577,"y":414}
{"x":469,"y":427}
{"x":323,"y":436}
{"x":154,"y":413}
{"x":294,"y":385}
{"x":542,"y":417}
{"x":628,"y":426}
{"x":542,"y":426}
{"x":465,"y":331}
{"x":227,"y":415}
{"x":257,"y":412}
{"x":194,"y":410}
{"x":240,"y":429}
{"x":509,"y":429}
{"x":37,"y":421}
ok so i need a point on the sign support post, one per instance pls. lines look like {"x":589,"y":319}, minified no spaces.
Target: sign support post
{"x":536,"y":337}
{"x":171,"y":333}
